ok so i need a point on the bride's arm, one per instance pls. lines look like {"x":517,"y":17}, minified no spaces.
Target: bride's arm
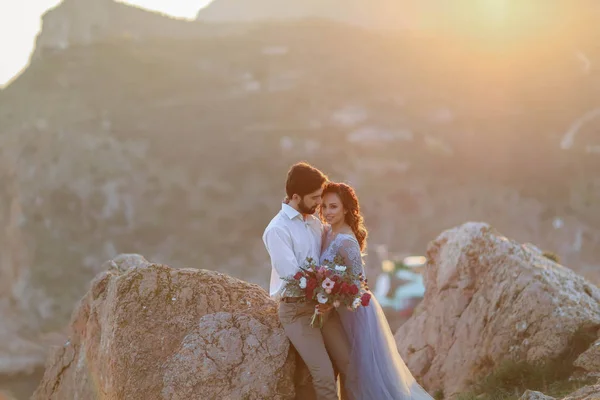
{"x":350,"y":252}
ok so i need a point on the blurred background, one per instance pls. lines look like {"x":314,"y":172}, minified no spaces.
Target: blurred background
{"x":167,"y":129}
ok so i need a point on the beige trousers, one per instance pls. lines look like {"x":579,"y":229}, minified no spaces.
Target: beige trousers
{"x":316,"y":346}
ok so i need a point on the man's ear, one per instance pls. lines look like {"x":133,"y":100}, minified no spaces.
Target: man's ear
{"x":296,"y":197}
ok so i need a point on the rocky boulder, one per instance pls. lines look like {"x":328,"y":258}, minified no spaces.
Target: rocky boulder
{"x":489,"y":299}
{"x":589,"y":361}
{"x":148,"y":331}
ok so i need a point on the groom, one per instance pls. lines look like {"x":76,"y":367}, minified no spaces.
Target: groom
{"x":293,"y":235}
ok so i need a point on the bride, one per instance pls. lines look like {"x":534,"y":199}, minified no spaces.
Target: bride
{"x":376,"y":368}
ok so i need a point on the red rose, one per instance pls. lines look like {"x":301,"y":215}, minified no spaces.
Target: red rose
{"x":365,"y":299}
{"x":336,"y":288}
{"x":353,"y":290}
{"x":309,"y":293}
{"x":344,"y":288}
{"x":298,"y":275}
{"x":335,"y":278}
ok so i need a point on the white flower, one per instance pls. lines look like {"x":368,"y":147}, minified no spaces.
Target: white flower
{"x":328,"y":284}
{"x":302,"y":283}
{"x":321,"y":298}
{"x":356,"y":303}
{"x":340,"y":268}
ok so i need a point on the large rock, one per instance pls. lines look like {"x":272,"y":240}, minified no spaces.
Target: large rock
{"x":154,"y":332}
{"x":489,"y":299}
{"x":591,"y":392}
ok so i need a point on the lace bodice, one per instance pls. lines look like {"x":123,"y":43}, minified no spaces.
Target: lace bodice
{"x":346,"y":246}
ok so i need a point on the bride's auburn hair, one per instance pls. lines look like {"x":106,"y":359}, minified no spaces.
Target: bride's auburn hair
{"x":353,"y":215}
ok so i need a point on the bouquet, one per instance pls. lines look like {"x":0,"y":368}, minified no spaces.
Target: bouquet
{"x":331,"y":284}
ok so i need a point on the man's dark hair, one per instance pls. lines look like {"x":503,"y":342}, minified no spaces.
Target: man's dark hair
{"x":303,"y":179}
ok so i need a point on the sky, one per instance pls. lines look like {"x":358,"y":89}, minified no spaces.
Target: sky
{"x":20,"y":24}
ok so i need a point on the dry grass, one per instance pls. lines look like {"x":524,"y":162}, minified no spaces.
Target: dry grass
{"x":511,"y":378}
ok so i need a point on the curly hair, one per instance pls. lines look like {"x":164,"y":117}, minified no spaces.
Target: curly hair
{"x":353,"y":215}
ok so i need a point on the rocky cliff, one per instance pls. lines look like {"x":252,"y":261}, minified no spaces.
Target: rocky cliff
{"x":81,"y":23}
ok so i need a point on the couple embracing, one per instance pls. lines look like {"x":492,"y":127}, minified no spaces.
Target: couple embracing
{"x":356,"y":345}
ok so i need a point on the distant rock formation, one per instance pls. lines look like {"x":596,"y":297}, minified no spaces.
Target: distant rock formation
{"x":75,"y":22}
{"x":489,"y":299}
{"x":22,"y":340}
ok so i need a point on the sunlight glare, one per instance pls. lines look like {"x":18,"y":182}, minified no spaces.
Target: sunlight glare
{"x":502,"y":22}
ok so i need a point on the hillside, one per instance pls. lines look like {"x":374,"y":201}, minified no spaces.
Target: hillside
{"x":177,"y":148}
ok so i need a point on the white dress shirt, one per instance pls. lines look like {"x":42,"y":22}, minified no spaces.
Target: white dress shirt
{"x":290,"y":239}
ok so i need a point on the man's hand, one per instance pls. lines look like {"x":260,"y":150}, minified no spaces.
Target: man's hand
{"x":324,"y":308}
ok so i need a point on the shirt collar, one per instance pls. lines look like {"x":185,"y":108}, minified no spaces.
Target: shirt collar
{"x":290,"y":211}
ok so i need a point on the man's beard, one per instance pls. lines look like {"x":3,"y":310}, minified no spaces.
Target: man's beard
{"x":305,"y":210}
